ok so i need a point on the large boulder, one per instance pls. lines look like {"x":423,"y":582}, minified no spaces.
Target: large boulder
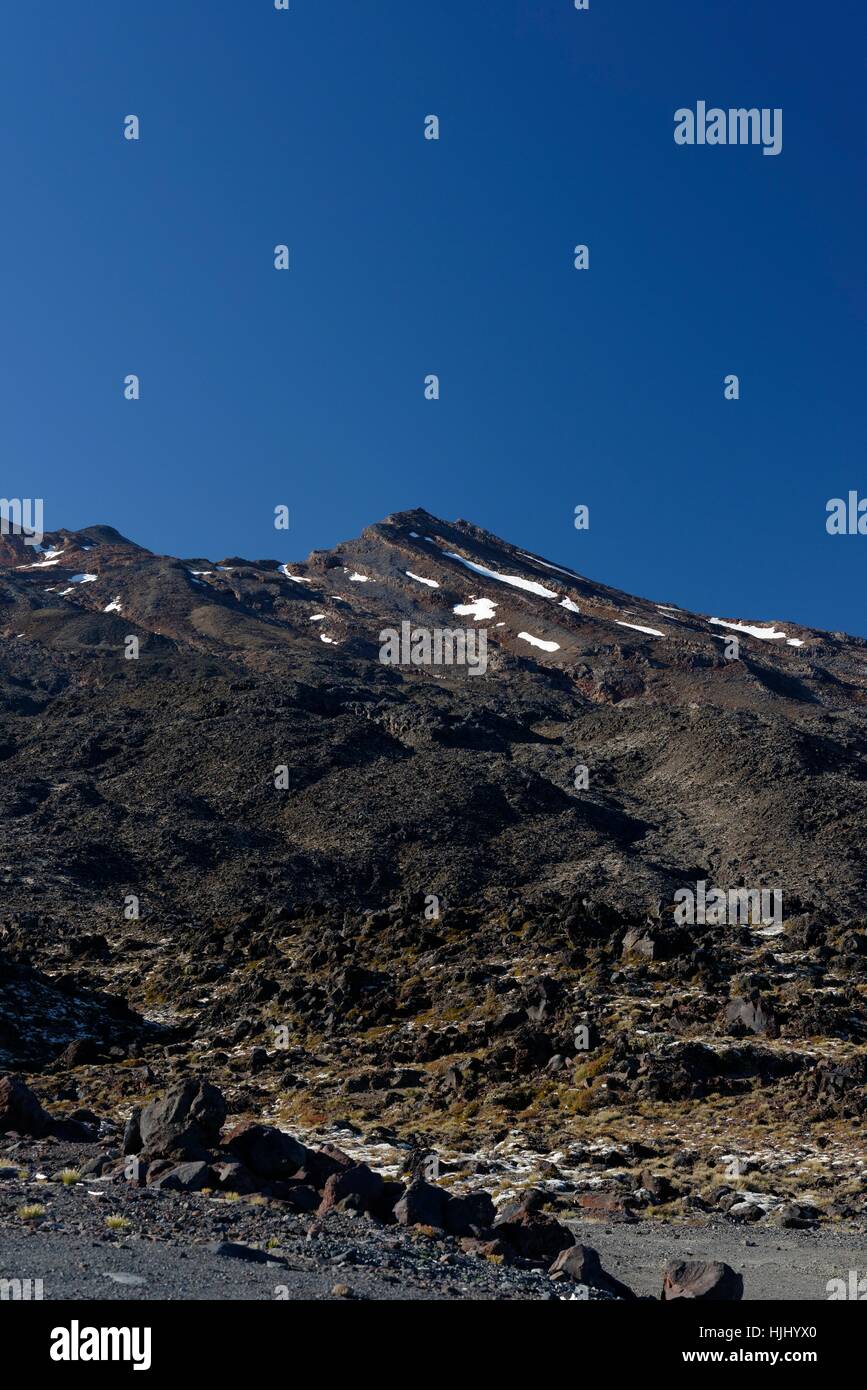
{"x":266,"y":1151}
{"x":184,"y":1177}
{"x":186,"y":1121}
{"x":358,"y":1187}
{"x":470,"y":1215}
{"x":422,"y":1204}
{"x":710,"y":1281}
{"x":531,"y":1232}
{"x":20,"y":1111}
{"x":582,"y":1264}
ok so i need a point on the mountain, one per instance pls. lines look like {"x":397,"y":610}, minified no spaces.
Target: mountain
{"x":159,"y":772}
{"x":432,"y":876}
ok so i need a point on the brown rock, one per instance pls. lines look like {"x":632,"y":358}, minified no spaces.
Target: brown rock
{"x":359,"y":1183}
{"x":710,"y":1281}
{"x":20,"y":1111}
{"x":582,"y":1264}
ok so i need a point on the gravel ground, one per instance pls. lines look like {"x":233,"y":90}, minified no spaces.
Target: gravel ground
{"x":775,"y":1264}
{"x":353,"y":1258}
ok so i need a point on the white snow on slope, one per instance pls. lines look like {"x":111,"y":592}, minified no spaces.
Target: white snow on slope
{"x":548,"y":565}
{"x":356,"y":578}
{"x":299,"y":578}
{"x":651,"y":631}
{"x":331,"y":640}
{"x":316,"y":617}
{"x":477,"y":608}
{"x":769,"y":634}
{"x":49,"y":558}
{"x":83,"y":578}
{"x":420,"y":579}
{"x":567,"y":603}
{"x":514,"y":579}
{"x":114,"y":606}
{"x":538,"y":642}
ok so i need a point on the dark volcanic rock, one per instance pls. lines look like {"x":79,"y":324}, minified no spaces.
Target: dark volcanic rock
{"x":422,"y":1204}
{"x":582,"y":1264}
{"x":186,"y":1121}
{"x":711,"y":1281}
{"x":531,"y":1232}
{"x":359,"y":1186}
{"x":184,"y":1177}
{"x":20,"y":1111}
{"x":266,"y":1151}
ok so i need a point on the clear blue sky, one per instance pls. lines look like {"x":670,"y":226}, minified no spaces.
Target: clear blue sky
{"x":411,"y":257}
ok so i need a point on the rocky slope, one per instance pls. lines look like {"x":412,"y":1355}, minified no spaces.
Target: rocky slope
{"x":381,"y":904}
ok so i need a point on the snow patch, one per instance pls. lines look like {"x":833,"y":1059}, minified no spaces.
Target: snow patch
{"x":420,"y":579}
{"x":83,"y":578}
{"x":477,"y":608}
{"x":567,"y":603}
{"x":636,"y":627}
{"x":299,"y":578}
{"x":514,"y":579}
{"x":114,"y":606}
{"x":539,"y":642}
{"x":768,"y":634}
{"x":548,"y":566}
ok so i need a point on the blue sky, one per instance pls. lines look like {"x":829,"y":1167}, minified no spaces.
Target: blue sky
{"x":454,"y":257}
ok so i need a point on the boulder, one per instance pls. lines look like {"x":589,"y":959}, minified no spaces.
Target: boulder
{"x":184,"y":1177}
{"x":358,"y":1185}
{"x":185,"y":1121}
{"x":266,"y":1151}
{"x":321,"y":1164}
{"x":710,"y":1281}
{"x":605,"y":1204}
{"x":234,"y":1177}
{"x":658,"y":1186}
{"x":466,"y":1216}
{"x":20,"y":1111}
{"x":531,"y":1232}
{"x":78,"y":1053}
{"x":582,"y":1264}
{"x":131,"y":1143}
{"x":422,"y":1204}
{"x":795,"y":1216}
